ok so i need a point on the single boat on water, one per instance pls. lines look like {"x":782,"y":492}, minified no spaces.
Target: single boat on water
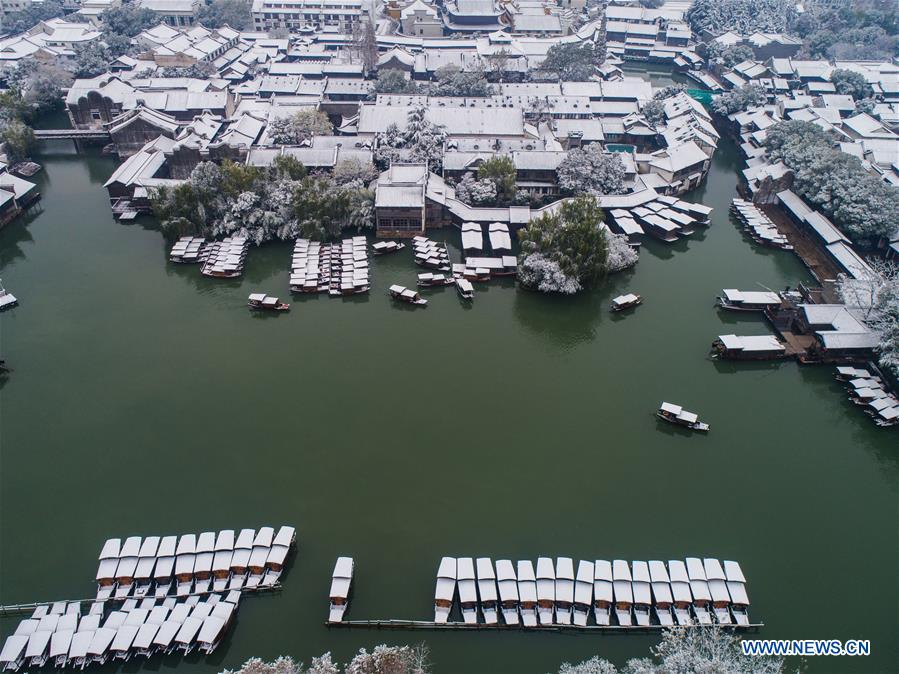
{"x":742,"y":300}
{"x":676,"y":414}
{"x":384,"y":247}
{"x":628,"y":301}
{"x":431,"y":280}
{"x":405,"y":295}
{"x":466,"y":290}
{"x":261,"y":301}
{"x":7,"y":299}
{"x":341,"y":580}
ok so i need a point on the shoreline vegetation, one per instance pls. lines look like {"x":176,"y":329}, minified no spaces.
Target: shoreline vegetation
{"x":708,"y":650}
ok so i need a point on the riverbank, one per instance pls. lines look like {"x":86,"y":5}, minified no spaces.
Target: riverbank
{"x":145,"y":397}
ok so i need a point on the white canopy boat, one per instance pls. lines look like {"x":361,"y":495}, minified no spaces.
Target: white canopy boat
{"x":38,"y":648}
{"x":507,"y":583}
{"x":564,"y":590}
{"x":602,"y":592}
{"x":203,"y":562}
{"x":465,"y":289}
{"x":736,"y":587}
{"x":81,"y":641}
{"x":163,"y":571}
{"x":742,"y":300}
{"x":699,"y":587}
{"x":468,"y":592}
{"x":127,"y":566}
{"x":339,"y":594}
{"x":146,"y":561}
{"x":384,"y":247}
{"x":487,"y":590}
{"x":48,"y":623}
{"x":583,"y":592}
{"x":115,"y":620}
{"x":214,"y":626}
{"x":718,"y":589}
{"x":185,"y":556}
{"x":109,"y":562}
{"x":7,"y":299}
{"x":60,"y":642}
{"x":642,"y":594}
{"x":546,"y":590}
{"x":99,"y":647}
{"x":221,"y":561}
{"x":184,"y":640}
{"x":165,"y":635}
{"x":241,"y":558}
{"x":262,"y":545}
{"x":121,"y":644}
{"x":661,"y":593}
{"x":680,"y":590}
{"x":274,"y":563}
{"x":627,"y":301}
{"x":677,"y":415}
{"x":624,"y":594}
{"x":13,"y":654}
{"x":27,"y":627}
{"x":143,"y":640}
{"x":527,"y":592}
{"x":404,"y":294}
{"x":445,"y":591}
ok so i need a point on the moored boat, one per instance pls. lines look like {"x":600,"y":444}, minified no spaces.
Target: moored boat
{"x":431,"y":280}
{"x":7,"y":299}
{"x":546,"y":590}
{"x":445,"y":591}
{"x":507,"y":583}
{"x":487,"y":590}
{"x":742,"y":300}
{"x":642,"y":594}
{"x":736,"y":587}
{"x":564,"y":590}
{"x":405,"y":295}
{"x":106,"y":570}
{"x":465,"y":289}
{"x":699,"y":587}
{"x":146,"y":561}
{"x":661,"y":593}
{"x":468,"y":594}
{"x":602,"y":592}
{"x":676,"y":414}
{"x":680,"y":591}
{"x":627,"y":301}
{"x":240,"y":559}
{"x":165,"y":565}
{"x":281,"y":545}
{"x":205,"y":554}
{"x":583,"y":592}
{"x":127,"y":566}
{"x":527,"y":592}
{"x":718,"y":589}
{"x":624,"y":594}
{"x":185,"y":555}
{"x":384,"y":247}
{"x":341,"y":580}
{"x":221,"y":561}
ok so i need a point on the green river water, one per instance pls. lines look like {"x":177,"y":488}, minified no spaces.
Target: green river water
{"x":146,"y":399}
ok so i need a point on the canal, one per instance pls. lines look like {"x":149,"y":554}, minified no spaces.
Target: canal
{"x":146,"y":399}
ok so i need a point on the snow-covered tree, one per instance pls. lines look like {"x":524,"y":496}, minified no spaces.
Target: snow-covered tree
{"x":538,"y":272}
{"x":393,"y":81}
{"x":876,"y":299}
{"x":475,"y":192}
{"x":39,"y":84}
{"x":299,"y":127}
{"x":654,"y":112}
{"x":728,"y":55}
{"x":390,"y":660}
{"x":453,"y":81}
{"x":591,"y":170}
{"x":572,"y":61}
{"x":281,"y":665}
{"x":621,"y":254}
{"x":736,"y":100}
{"x":741,"y":16}
{"x":233,"y":13}
{"x":353,"y":173}
{"x":851,"y":83}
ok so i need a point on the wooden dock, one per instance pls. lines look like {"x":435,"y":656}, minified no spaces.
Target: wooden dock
{"x":480,"y":627}
{"x":19,"y":609}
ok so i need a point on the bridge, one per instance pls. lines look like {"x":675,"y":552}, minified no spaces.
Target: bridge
{"x":71,"y":134}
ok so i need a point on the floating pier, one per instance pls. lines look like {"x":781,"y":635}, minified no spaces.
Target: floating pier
{"x":478,"y":627}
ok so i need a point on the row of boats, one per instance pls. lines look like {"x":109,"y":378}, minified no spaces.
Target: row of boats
{"x":869,"y":391}
{"x":226,"y":258}
{"x":759,"y":226}
{"x":62,"y":636}
{"x":191,"y":563}
{"x":666,"y":218}
{"x":189,"y":250}
{"x":497,"y":234}
{"x":431,"y":254}
{"x":337,"y":268}
{"x":641,"y":594}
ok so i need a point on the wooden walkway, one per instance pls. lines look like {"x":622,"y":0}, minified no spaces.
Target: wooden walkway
{"x":479,"y":627}
{"x":71,"y":134}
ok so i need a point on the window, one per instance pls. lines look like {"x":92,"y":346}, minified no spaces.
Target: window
{"x":95,"y":114}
